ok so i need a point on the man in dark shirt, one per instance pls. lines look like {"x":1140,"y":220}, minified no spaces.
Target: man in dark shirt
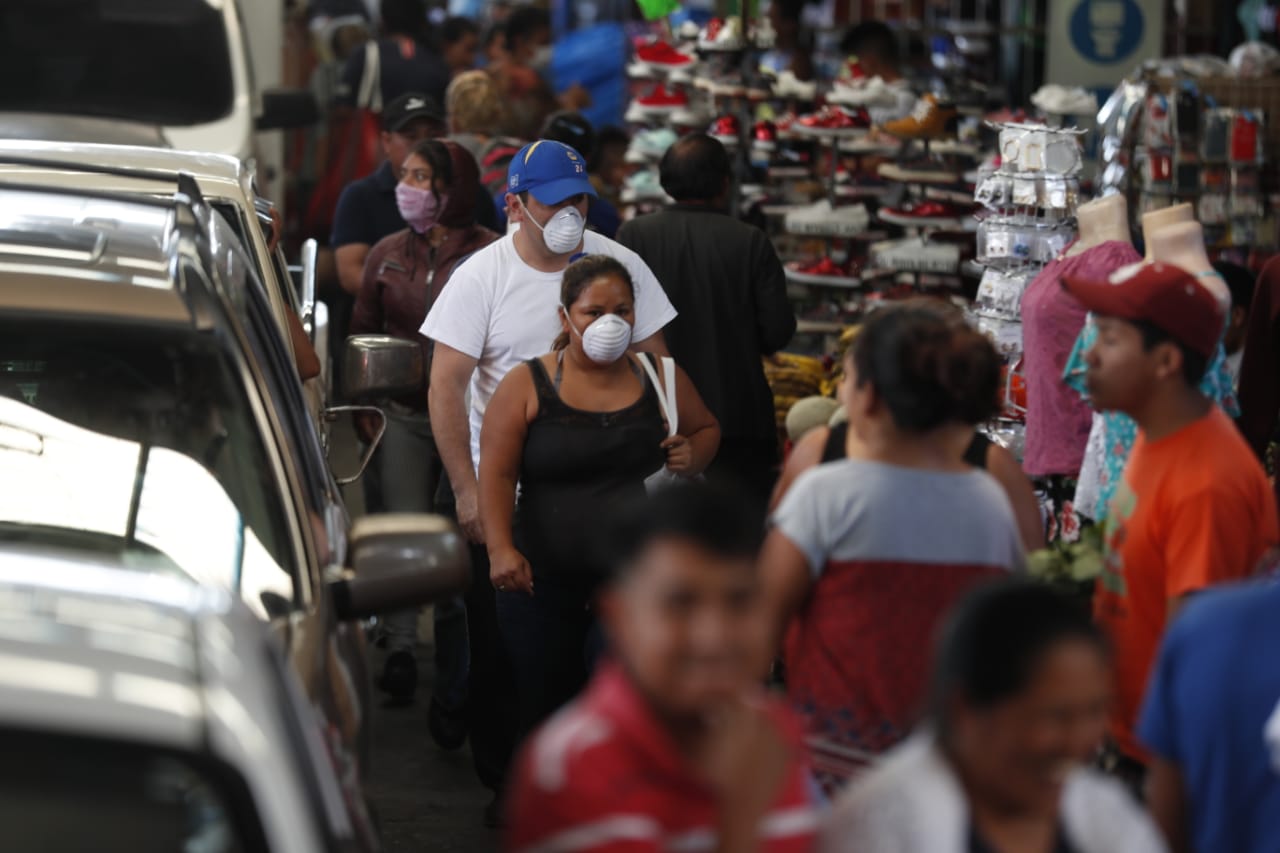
{"x":366,"y":209}
{"x":408,"y":60}
{"x":725,"y":280}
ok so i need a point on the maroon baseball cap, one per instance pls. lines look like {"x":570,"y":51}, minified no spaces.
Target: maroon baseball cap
{"x":1168,"y":297}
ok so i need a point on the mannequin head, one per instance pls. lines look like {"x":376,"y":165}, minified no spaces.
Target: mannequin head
{"x":1102,"y":220}
{"x":1154,"y":220}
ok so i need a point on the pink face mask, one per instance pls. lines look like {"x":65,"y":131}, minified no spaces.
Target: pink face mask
{"x":420,"y":208}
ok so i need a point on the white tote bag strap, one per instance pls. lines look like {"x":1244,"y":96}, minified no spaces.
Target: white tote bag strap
{"x":666,"y":391}
{"x":371,"y":80}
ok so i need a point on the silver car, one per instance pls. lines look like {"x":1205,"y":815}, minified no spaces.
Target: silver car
{"x":150,"y":410}
{"x":154,"y":715}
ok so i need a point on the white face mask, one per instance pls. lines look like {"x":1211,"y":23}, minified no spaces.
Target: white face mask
{"x":606,"y":339}
{"x":563,"y":231}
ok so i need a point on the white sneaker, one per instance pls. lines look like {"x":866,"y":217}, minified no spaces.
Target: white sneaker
{"x":791,"y":87}
{"x":820,"y":219}
{"x":727,"y":37}
{"x":864,"y":92}
{"x":1064,"y":101}
{"x":695,"y":115}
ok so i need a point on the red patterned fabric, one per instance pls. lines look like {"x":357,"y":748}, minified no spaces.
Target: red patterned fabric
{"x":859,"y":652}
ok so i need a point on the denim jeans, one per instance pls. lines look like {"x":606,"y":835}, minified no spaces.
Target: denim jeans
{"x":409,"y":469}
{"x":553,"y":640}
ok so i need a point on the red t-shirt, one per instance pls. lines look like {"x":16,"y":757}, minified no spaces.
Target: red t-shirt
{"x":1193,"y":509}
{"x":602,"y":775}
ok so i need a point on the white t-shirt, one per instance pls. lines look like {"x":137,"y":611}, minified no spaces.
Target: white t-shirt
{"x":501,"y":311}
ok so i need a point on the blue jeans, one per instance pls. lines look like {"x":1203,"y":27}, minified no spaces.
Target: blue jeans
{"x":553,"y":640}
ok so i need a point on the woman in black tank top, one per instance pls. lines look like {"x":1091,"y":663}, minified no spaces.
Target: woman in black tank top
{"x":580,"y":430}
{"x":975,"y":455}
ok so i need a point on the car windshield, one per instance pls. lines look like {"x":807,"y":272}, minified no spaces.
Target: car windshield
{"x":139,"y":445}
{"x":164,"y":62}
{"x":123,"y":797}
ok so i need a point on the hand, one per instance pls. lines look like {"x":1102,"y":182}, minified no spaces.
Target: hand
{"x":679,"y":455}
{"x":509,"y":571}
{"x":744,"y":758}
{"x":367,"y":425}
{"x":468,"y":511}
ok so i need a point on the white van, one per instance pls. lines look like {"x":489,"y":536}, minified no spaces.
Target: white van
{"x":181,"y":67}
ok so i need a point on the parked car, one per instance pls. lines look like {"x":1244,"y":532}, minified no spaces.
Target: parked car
{"x":149,"y":409}
{"x":226,"y":184}
{"x":155,"y":715}
{"x":180,"y":66}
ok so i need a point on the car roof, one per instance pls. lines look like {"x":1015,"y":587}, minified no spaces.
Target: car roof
{"x":103,"y":256}
{"x":163,"y":161}
{"x":89,"y":647}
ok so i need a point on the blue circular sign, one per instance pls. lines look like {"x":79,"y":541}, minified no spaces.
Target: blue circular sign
{"x":1107,"y":31}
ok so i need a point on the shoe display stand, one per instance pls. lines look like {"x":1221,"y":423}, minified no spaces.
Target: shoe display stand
{"x":1201,"y":140}
{"x":1030,"y":202}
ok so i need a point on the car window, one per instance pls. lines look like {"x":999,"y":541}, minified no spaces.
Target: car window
{"x":153,"y":61}
{"x":300,"y":435}
{"x":76,"y":793}
{"x":142,"y":444}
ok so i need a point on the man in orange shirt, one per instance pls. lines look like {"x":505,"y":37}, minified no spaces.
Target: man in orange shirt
{"x":1194,"y":507}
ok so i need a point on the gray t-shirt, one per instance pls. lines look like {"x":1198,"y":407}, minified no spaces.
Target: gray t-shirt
{"x":853,"y":510}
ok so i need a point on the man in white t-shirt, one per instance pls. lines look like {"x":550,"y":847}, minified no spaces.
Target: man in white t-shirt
{"x":500,"y":306}
{"x":498,"y":310}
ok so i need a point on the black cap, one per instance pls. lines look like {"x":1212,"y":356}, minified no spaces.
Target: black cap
{"x":408,"y":107}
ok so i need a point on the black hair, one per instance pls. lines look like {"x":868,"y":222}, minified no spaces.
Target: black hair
{"x":456,"y":28}
{"x":1240,"y":281}
{"x":871,"y":38}
{"x":717,"y":520}
{"x":581,"y":273}
{"x":524,"y":22}
{"x":497,"y":31}
{"x":928,"y":365}
{"x":406,"y":17}
{"x":993,"y":641}
{"x":1194,"y":364}
{"x":571,"y":128}
{"x":438,"y":157}
{"x":696,"y":168}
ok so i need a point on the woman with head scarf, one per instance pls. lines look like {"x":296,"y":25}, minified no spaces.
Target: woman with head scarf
{"x":438,"y":195}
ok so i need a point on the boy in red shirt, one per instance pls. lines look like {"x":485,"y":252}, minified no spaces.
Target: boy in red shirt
{"x":673,"y":745}
{"x":1194,"y":507}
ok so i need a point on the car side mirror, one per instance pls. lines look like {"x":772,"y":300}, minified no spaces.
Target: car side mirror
{"x":400,"y":561}
{"x":285,"y":109}
{"x":381,"y":366}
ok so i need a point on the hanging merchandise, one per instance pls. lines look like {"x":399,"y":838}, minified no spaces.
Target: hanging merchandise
{"x":1184,"y":131}
{"x":1030,"y":194}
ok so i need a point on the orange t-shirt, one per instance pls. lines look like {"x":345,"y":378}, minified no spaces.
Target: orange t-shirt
{"x":1193,"y":509}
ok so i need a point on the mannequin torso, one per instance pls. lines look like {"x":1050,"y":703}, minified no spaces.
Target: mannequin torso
{"x":1155,"y":220}
{"x":1182,"y":245}
{"x":1101,"y":220}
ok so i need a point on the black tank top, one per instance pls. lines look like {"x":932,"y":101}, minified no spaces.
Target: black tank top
{"x":575,"y":465}
{"x":975,"y":455}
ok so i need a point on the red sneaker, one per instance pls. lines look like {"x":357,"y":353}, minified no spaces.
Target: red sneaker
{"x":823,"y":270}
{"x":765,"y":136}
{"x":662,"y":101}
{"x":726,"y":129}
{"x":927,"y":212}
{"x":836,"y":118}
{"x":662,"y":54}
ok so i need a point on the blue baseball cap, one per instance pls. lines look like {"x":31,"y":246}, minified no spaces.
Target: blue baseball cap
{"x":552,"y":171}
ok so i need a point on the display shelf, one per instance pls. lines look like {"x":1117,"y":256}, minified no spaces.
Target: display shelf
{"x":844,"y":282}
